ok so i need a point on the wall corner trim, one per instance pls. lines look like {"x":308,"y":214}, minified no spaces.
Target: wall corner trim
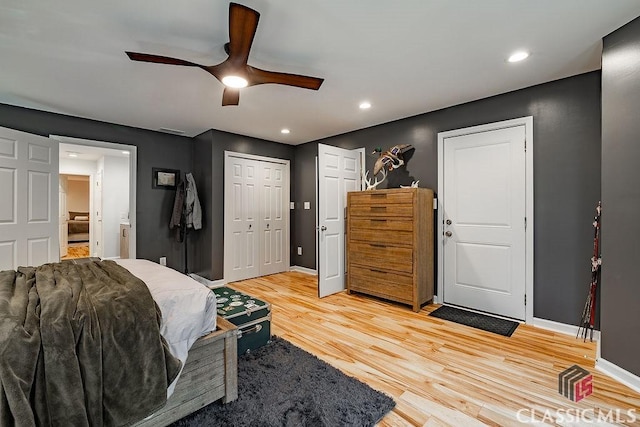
{"x":304,"y":270}
{"x":562,"y":328}
{"x":619,"y":374}
{"x":211,"y":284}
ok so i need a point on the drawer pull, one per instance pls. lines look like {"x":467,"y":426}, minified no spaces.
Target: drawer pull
{"x":379,"y":208}
{"x":377,"y":271}
{"x":378,"y":220}
{"x":378,"y":245}
{"x":379,"y":195}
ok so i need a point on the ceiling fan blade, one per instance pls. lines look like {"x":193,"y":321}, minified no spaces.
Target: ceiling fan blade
{"x":230,"y":96}
{"x":258,"y":76}
{"x":243,"y":22}
{"x":145,"y":57}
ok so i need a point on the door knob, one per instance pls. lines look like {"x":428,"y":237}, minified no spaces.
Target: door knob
{"x":448,"y":222}
{"x":448,"y":234}
{"x":267,"y":225}
{"x":249,"y":226}
{"x":323,"y":228}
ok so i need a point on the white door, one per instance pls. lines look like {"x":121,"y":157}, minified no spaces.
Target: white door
{"x":62,"y":215}
{"x":484,"y":214}
{"x":29,"y":226}
{"x":272,"y":225}
{"x":256,"y":235}
{"x":241,"y":223}
{"x":97,"y":203}
{"x":339,"y":171}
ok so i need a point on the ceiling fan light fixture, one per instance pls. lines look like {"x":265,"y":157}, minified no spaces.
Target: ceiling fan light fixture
{"x":518,"y":56}
{"x":235,"y":82}
{"x":365,"y":105}
{"x":285,"y":131}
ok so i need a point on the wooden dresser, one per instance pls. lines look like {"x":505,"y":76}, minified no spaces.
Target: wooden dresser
{"x":390,"y":244}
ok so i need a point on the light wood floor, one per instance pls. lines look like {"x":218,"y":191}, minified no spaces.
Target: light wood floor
{"x":438,"y":372}
{"x":76,"y":252}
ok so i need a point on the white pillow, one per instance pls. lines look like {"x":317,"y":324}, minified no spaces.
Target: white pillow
{"x":81,"y":218}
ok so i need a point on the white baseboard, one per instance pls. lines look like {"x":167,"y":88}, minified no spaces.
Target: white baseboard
{"x":562,"y":328}
{"x":619,"y":374}
{"x":303,"y":270}
{"x":211,"y":284}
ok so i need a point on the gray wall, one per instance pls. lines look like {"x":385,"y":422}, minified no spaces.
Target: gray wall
{"x":155,"y":149}
{"x":620,"y":286}
{"x":208,"y":167}
{"x":566,"y":117}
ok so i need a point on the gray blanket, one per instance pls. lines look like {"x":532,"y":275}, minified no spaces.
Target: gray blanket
{"x":80,"y":345}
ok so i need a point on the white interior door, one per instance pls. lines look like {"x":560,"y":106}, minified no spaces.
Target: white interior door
{"x":256,"y":241}
{"x":97,"y":204}
{"x":29,"y":226}
{"x":484,"y":214}
{"x":339,"y":171}
{"x":273,"y":224}
{"x":241,"y":224}
{"x":62,"y":215}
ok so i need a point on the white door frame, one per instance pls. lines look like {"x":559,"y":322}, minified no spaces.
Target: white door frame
{"x":287,"y":197}
{"x":133,"y":154}
{"x":527,"y":122}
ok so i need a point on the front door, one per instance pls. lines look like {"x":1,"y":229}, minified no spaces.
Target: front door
{"x":29,"y":224}
{"x":339,"y":171}
{"x":484,"y":221}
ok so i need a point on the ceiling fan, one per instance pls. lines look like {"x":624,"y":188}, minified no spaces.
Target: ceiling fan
{"x":234,"y":72}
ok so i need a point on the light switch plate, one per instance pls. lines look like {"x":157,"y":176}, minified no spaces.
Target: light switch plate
{"x":307,"y":205}
{"x":292,"y":205}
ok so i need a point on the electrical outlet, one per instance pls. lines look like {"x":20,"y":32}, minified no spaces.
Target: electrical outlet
{"x":163,"y":260}
{"x":299,"y":250}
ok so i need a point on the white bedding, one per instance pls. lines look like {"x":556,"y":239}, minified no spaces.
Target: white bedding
{"x":188,"y":307}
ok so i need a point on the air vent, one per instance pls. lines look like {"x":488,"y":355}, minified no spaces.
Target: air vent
{"x":173,"y":131}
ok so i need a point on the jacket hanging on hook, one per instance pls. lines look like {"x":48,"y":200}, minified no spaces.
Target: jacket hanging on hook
{"x":187,"y":212}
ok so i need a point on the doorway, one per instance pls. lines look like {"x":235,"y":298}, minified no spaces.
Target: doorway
{"x":111,"y":172}
{"x":75,"y":210}
{"x":485,"y":218}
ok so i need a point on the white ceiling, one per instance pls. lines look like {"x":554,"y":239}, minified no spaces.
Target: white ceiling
{"x":406,"y":57}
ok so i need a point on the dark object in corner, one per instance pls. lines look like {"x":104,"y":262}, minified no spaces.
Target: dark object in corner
{"x":476,"y":320}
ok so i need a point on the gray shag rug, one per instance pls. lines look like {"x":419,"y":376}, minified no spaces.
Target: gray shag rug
{"x":283,"y":385}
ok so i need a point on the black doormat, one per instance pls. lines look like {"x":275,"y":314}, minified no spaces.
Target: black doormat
{"x":476,"y":320}
{"x":282,"y":385}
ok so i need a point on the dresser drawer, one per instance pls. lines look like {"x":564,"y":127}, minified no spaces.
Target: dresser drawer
{"x":401,"y":210}
{"x":380,"y":283}
{"x":400,"y":238}
{"x":375,"y":255}
{"x":381,"y":224}
{"x":381,"y":197}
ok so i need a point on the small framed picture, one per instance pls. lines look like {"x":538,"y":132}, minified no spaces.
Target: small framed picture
{"x":165,"y":178}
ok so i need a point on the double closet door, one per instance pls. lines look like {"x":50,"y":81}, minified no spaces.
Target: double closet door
{"x":256,"y":235}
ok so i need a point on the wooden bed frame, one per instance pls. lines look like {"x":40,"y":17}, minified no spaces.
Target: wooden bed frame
{"x":210,"y":373}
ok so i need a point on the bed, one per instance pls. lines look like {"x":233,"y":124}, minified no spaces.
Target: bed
{"x":78,"y":226}
{"x":104,"y":343}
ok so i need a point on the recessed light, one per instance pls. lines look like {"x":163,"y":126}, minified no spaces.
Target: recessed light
{"x":285,"y":131}
{"x":518,"y":56}
{"x":365,"y":105}
{"x":126,"y":153}
{"x":234,"y":81}
{"x":72,"y":154}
